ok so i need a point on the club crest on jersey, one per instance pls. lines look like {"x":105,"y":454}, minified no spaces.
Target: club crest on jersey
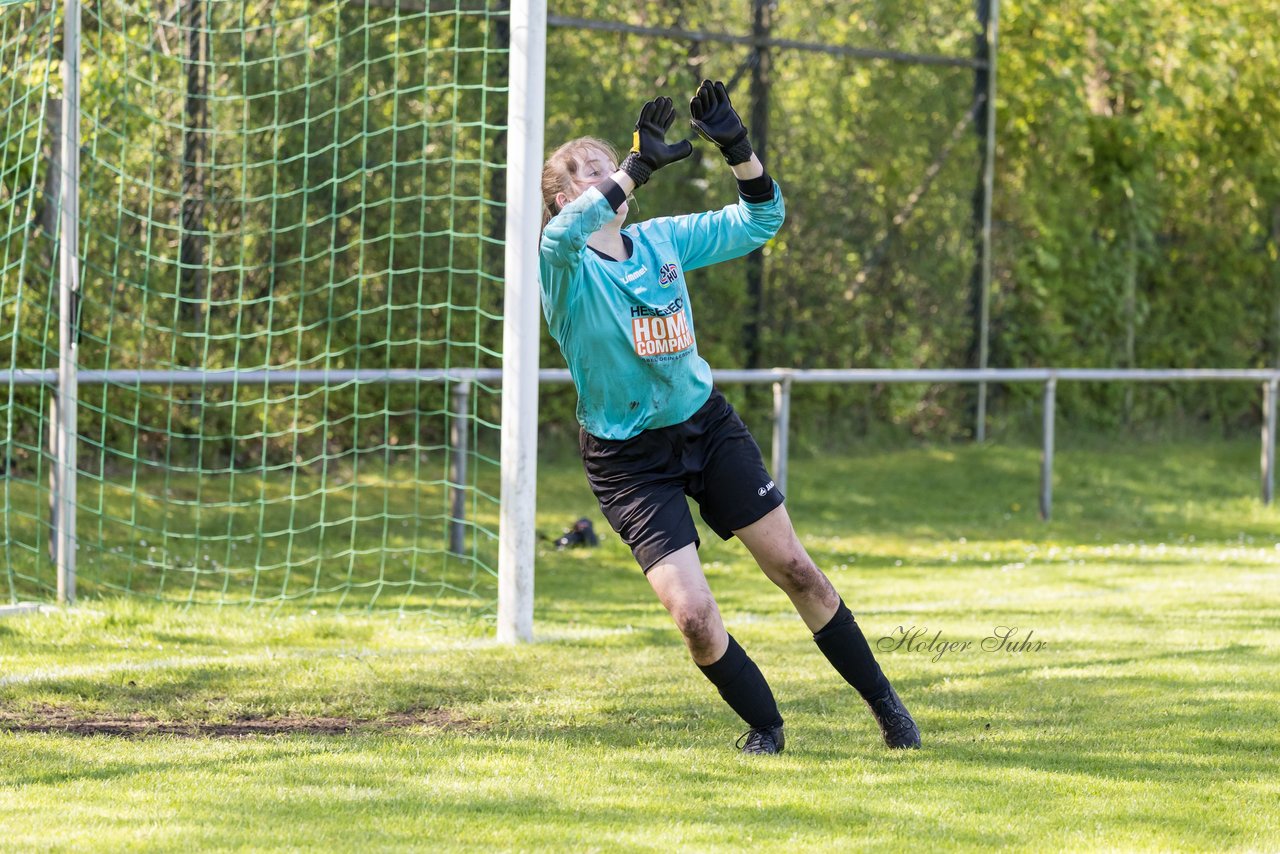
{"x":667,"y":274}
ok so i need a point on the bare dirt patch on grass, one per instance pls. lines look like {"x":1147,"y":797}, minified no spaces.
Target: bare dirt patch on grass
{"x":60,"y":719}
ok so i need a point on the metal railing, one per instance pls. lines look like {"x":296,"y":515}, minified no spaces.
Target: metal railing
{"x":782,"y":380}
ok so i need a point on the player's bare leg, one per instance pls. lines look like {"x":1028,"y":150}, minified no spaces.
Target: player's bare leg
{"x":772,"y":541}
{"x":681,"y":586}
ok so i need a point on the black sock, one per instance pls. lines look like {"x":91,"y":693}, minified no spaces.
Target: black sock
{"x":743,"y":687}
{"x":841,"y":641}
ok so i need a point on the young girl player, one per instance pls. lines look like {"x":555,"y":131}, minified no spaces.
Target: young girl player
{"x":654,"y":428}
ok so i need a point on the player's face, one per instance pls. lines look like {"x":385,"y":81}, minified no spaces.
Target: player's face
{"x":595,"y":169}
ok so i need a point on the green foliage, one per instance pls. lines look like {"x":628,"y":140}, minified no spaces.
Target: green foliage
{"x":342,"y":195}
{"x":849,"y":142}
{"x":1136,"y":212}
{"x":1136,"y":154}
{"x":353,"y":179}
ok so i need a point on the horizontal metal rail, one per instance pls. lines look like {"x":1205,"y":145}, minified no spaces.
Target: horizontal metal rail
{"x":699,"y":36}
{"x":782,"y":379}
{"x":294,"y":376}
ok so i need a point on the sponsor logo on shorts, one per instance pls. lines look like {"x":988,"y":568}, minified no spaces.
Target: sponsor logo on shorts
{"x":764,"y":490}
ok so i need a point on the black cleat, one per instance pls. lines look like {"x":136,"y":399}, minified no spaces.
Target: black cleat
{"x":896,"y":724}
{"x":767,"y":739}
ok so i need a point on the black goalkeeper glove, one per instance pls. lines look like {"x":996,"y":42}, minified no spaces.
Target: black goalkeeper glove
{"x":649,"y":148}
{"x":716,"y":121}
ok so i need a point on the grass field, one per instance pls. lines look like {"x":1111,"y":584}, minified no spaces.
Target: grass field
{"x":1149,"y":719}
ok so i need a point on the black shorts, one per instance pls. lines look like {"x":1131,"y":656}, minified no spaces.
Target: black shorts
{"x":641,"y":482}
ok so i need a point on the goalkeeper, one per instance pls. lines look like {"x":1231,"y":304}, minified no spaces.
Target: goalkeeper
{"x":654,"y":428}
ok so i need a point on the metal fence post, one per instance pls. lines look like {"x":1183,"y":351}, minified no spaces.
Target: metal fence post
{"x":54,"y":493}
{"x":461,"y":399}
{"x":1046,"y":456}
{"x":989,"y":17}
{"x":1270,"y":391}
{"x":781,"y":430}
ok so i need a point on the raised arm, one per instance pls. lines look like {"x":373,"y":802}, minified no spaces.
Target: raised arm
{"x":708,"y":238}
{"x":715,"y":236}
{"x":565,"y":237}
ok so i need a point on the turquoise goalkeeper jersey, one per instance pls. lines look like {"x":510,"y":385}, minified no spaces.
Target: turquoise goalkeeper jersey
{"x":626,"y":327}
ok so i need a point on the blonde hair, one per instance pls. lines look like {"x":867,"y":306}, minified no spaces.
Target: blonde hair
{"x":560,"y":172}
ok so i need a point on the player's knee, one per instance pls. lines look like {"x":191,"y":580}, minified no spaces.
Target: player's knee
{"x":798,"y":574}
{"x":697,"y":621}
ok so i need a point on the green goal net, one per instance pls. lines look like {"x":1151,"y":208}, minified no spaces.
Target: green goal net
{"x":290,"y":219}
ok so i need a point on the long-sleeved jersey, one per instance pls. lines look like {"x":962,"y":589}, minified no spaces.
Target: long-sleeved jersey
{"x":626,"y":327}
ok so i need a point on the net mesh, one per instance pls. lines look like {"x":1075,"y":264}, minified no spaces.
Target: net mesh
{"x":266,"y":186}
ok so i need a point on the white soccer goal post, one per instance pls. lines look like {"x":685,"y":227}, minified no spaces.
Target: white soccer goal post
{"x":522,"y":318}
